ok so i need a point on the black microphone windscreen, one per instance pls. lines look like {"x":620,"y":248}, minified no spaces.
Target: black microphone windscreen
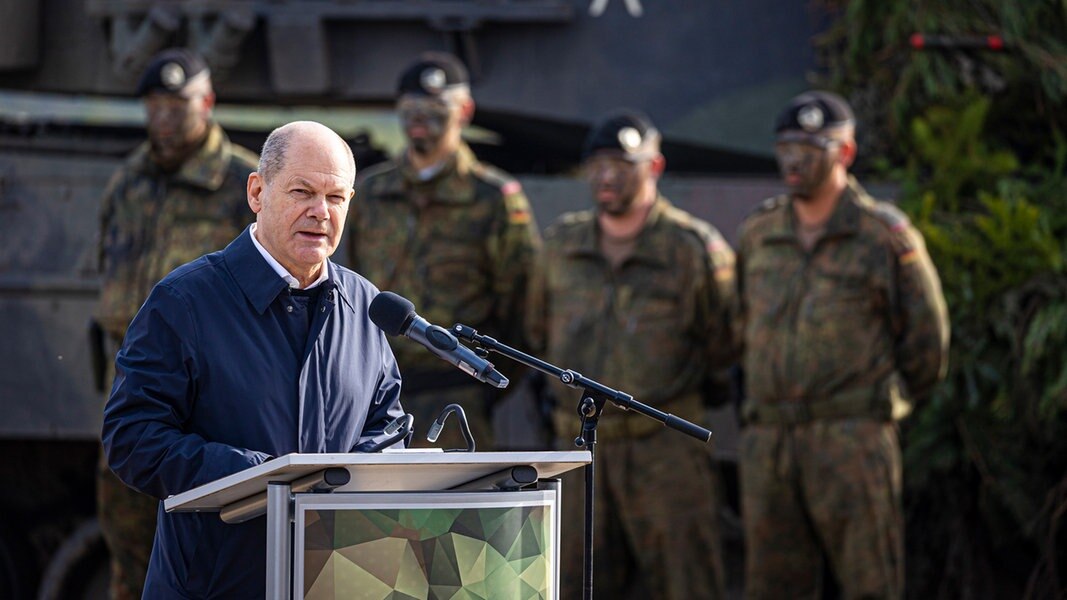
{"x":390,"y":312}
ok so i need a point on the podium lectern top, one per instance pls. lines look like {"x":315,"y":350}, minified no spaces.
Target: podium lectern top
{"x":402,"y":471}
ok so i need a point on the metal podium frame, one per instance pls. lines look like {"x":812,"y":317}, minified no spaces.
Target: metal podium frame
{"x":269,"y":488}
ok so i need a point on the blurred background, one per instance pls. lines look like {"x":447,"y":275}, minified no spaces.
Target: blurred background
{"x":961,"y":105}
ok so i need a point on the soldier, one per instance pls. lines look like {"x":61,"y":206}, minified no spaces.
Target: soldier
{"x":179,"y":195}
{"x":843,"y":322}
{"x":638,"y":295}
{"x":453,"y":235}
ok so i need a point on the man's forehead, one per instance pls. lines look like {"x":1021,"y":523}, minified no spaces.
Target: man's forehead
{"x":443,"y":100}
{"x":820,"y":139}
{"x":316,"y":173}
{"x":611,"y":155}
{"x":167,"y":97}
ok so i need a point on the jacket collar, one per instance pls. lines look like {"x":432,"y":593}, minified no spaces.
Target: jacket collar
{"x":844,"y":221}
{"x":261,"y":284}
{"x":649,"y":239}
{"x":206,"y":168}
{"x":451,"y":184}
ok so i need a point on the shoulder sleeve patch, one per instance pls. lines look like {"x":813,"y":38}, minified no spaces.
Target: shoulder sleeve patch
{"x":722,"y":258}
{"x":905,"y":240}
{"x":515,"y":203}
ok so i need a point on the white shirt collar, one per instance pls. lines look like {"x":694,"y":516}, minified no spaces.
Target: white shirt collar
{"x":280,"y":270}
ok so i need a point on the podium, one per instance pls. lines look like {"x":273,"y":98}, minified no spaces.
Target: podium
{"x":397,"y":524}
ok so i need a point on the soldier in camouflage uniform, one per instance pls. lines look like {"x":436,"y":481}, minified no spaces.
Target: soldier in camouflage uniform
{"x":638,"y":295}
{"x":843,"y":322}
{"x":179,"y":195}
{"x":451,"y":234}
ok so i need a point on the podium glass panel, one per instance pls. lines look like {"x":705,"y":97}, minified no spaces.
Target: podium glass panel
{"x":427,"y":545}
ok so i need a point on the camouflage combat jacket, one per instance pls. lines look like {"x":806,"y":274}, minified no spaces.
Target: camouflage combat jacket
{"x":851,"y":329}
{"x":654,"y":328}
{"x":459,"y":246}
{"x":152,"y":222}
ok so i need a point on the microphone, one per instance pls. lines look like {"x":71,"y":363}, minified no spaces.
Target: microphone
{"x":439,"y":424}
{"x":395,"y":315}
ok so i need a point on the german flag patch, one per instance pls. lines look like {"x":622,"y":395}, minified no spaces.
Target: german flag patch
{"x":909,"y":257}
{"x":515,"y":203}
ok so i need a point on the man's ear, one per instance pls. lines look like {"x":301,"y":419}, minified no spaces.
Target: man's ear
{"x":254,"y":189}
{"x":208,"y":102}
{"x":848,"y":152}
{"x":657,"y":165}
{"x":466,"y":111}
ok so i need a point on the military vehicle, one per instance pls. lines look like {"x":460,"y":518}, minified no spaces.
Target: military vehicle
{"x":711,"y":74}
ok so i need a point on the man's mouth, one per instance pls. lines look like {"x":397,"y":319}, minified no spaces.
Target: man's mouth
{"x":418,"y":130}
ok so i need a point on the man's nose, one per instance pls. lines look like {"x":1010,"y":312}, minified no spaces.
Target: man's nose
{"x":607,"y":175}
{"x":319,"y":209}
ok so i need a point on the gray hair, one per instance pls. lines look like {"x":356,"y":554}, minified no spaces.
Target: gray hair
{"x":272,"y":157}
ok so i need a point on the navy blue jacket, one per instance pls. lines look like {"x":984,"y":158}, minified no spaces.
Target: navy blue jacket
{"x":207,"y":385}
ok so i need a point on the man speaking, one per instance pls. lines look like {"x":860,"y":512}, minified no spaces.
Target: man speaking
{"x":259,"y":350}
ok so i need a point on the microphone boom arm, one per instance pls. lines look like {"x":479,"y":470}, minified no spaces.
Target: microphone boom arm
{"x":596,"y":390}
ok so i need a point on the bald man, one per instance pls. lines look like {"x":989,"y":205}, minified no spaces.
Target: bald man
{"x":256,"y":351}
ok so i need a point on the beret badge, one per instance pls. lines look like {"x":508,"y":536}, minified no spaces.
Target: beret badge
{"x":629,"y":139}
{"x":810,"y":118}
{"x":433,"y":79}
{"x":172,"y":75}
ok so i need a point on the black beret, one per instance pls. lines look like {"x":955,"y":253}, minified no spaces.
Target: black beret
{"x":431,"y":74}
{"x":625,"y":131}
{"x":171,"y":71}
{"x":813,"y":112}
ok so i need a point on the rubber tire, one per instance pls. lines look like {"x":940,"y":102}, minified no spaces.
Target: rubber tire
{"x":15,"y":576}
{"x":79,"y":569}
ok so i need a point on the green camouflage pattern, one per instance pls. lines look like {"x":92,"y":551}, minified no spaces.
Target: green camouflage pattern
{"x":460,"y":245}
{"x":837,"y":343}
{"x":128,"y":523}
{"x":656,"y":524}
{"x":857,"y":328}
{"x":152,"y":222}
{"x":829,"y":490}
{"x":656,"y":328}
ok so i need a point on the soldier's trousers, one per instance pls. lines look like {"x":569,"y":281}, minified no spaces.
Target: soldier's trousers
{"x":128,"y":523}
{"x":476,"y":401}
{"x":824,"y":490}
{"x":656,"y":521}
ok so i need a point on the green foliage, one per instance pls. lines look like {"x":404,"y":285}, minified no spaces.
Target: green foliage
{"x":974,"y":139}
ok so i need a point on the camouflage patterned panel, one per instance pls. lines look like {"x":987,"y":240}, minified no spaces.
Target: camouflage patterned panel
{"x":459,"y":246}
{"x":654,"y":328}
{"x":656,"y":522}
{"x":128,"y":523}
{"x":152,"y":222}
{"x":828,"y":490}
{"x":852,"y":329}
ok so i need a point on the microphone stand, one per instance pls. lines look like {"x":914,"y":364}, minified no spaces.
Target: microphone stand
{"x":590,"y":407}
